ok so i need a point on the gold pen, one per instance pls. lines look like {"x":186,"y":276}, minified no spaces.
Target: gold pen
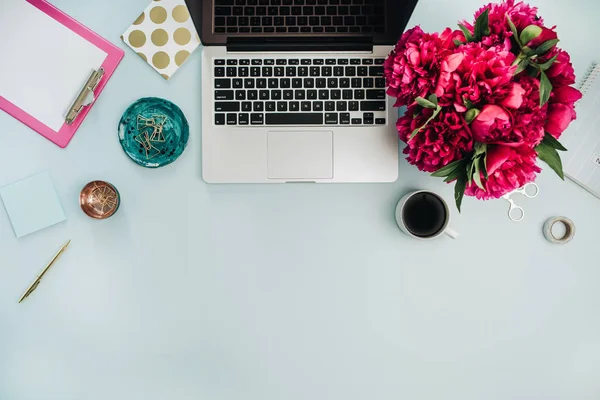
{"x":37,"y":281}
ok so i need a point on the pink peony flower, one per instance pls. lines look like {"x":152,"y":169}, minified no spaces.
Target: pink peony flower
{"x":494,"y":125}
{"x":411,"y":70}
{"x":547,"y":34}
{"x":559,"y":117}
{"x":444,"y":140}
{"x":529,"y":118}
{"x":523,"y":15}
{"x":514,"y":96}
{"x":561,"y":73}
{"x":485,"y":73}
{"x":508,"y":168}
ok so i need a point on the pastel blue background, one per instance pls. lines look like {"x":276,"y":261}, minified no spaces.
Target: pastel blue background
{"x":32,"y":204}
{"x":289,"y":292}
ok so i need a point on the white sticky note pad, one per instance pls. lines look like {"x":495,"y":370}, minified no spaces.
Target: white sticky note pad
{"x":32,"y":204}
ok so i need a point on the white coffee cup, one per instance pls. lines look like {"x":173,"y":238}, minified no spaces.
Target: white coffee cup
{"x":442,"y":225}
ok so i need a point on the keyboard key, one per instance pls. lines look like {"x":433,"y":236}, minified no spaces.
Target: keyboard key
{"x":355,"y":61}
{"x":303,"y":71}
{"x":341,"y":106}
{"x":321,"y":83}
{"x":305,"y":105}
{"x":345,"y":118}
{"x":353,"y":106}
{"x":379,"y":61}
{"x":263,"y":95}
{"x":222,"y":83}
{"x":224,"y":94}
{"x":342,"y":61}
{"x":305,"y":61}
{"x":257,"y":119}
{"x":232,"y":62}
{"x":243,"y":119}
{"x":256,"y":62}
{"x":273,"y":83}
{"x":356,"y":82}
{"x":318,"y":61}
{"x":269,"y":62}
{"x":380,"y":82}
{"x":368,"y":83}
{"x":238,"y":83}
{"x":243,"y":71}
{"x":219,"y":62}
{"x":279,"y":71}
{"x":227,"y":106}
{"x":285,"y":83}
{"x":246,"y":106}
{"x":255,"y":71}
{"x":347,"y":94}
{"x":267,"y":71}
{"x":362,"y":71}
{"x":356,"y":121}
{"x":249,"y":83}
{"x":258,"y":106}
{"x":276,"y":94}
{"x":244,"y":62}
{"x":296,"y":83}
{"x":330,"y":61}
{"x":261,"y":83}
{"x":240,"y":95}
{"x":336,"y":94}
{"x":282,"y":106}
{"x":376,"y":71}
{"x":294,"y":119}
{"x":332,"y":83}
{"x":331,"y":118}
{"x":327,"y":71}
{"x":330,"y":106}
{"x":281,"y":62}
{"x":338,"y":71}
{"x":317,"y":106}
{"x":294,"y":61}
{"x":367,"y":61}
{"x":309,"y":83}
{"x":252,"y":94}
{"x":288,"y":95}
{"x":219,"y":119}
{"x":380,"y":121}
{"x":223,"y":11}
{"x":323,"y":94}
{"x":372,"y":106}
{"x":270,"y":106}
{"x":312,"y":94}
{"x":375,"y":94}
{"x":295,"y":106}
{"x":231,"y":119}
{"x":315,"y":71}
{"x":300,"y":94}
{"x":359,"y":94}
{"x":231,"y":71}
{"x":350,"y":71}
{"x":290,"y":71}
{"x":219,"y":71}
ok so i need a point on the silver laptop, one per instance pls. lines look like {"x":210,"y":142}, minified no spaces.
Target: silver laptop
{"x":293,"y":90}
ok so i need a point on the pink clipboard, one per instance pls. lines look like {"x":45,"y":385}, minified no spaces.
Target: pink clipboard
{"x":113,"y":58}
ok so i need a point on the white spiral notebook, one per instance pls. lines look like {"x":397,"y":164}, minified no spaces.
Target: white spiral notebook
{"x":582,"y":162}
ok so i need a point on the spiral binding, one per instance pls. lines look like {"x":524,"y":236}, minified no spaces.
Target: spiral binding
{"x":590,"y":78}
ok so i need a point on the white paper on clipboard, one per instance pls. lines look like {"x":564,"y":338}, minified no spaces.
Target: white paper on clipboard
{"x":44,"y":64}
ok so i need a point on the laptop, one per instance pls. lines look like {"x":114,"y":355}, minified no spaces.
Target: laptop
{"x":293,"y":90}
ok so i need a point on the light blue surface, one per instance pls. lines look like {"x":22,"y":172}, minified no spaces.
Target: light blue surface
{"x":32,"y":204}
{"x":289,"y":292}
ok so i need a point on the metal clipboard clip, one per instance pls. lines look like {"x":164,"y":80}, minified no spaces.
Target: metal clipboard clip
{"x":86,"y":96}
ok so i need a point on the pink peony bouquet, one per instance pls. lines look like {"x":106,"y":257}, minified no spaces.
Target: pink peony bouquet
{"x":484,"y":102}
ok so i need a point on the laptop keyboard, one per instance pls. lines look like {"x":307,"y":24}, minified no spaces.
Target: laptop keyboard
{"x":299,"y":16}
{"x":299,"y":91}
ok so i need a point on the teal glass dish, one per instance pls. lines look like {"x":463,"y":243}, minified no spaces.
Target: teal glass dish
{"x":153,"y":132}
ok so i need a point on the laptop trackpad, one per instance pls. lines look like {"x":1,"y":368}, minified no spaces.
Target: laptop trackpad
{"x":300,"y":155}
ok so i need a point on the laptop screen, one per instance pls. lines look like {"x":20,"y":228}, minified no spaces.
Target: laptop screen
{"x":383,"y":21}
{"x":299,"y":17}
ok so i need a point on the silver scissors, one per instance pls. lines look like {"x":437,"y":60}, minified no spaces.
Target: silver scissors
{"x":515,"y":212}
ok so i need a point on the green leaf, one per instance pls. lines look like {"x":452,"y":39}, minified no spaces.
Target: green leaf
{"x":459,"y":191}
{"x":471,"y":115}
{"x":547,"y":64}
{"x":550,"y":156}
{"x":532,"y":71}
{"x":458,"y":42}
{"x":513,"y":29}
{"x":435,"y":114}
{"x":448,"y":169}
{"x":466,"y":32}
{"x":458,"y":172}
{"x":530,"y":33}
{"x":470,"y":169}
{"x":433,"y":98}
{"x":545,"y":88}
{"x":468,"y":103}
{"x":477,"y":175}
{"x":544,"y":47}
{"x":484,"y":166}
{"x":425,"y":103}
{"x":482,"y":26}
{"x":528,"y":51}
{"x":522,"y":65}
{"x":480,"y":148}
{"x":552,"y":141}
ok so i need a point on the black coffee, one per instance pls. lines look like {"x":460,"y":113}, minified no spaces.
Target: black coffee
{"x":424,"y":215}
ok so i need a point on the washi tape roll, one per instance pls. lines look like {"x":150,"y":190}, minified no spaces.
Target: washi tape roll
{"x":569,"y":230}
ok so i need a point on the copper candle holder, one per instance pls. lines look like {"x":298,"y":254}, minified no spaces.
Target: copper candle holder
{"x":99,"y":200}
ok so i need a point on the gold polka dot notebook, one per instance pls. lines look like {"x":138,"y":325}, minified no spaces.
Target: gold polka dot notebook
{"x":163,"y":35}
